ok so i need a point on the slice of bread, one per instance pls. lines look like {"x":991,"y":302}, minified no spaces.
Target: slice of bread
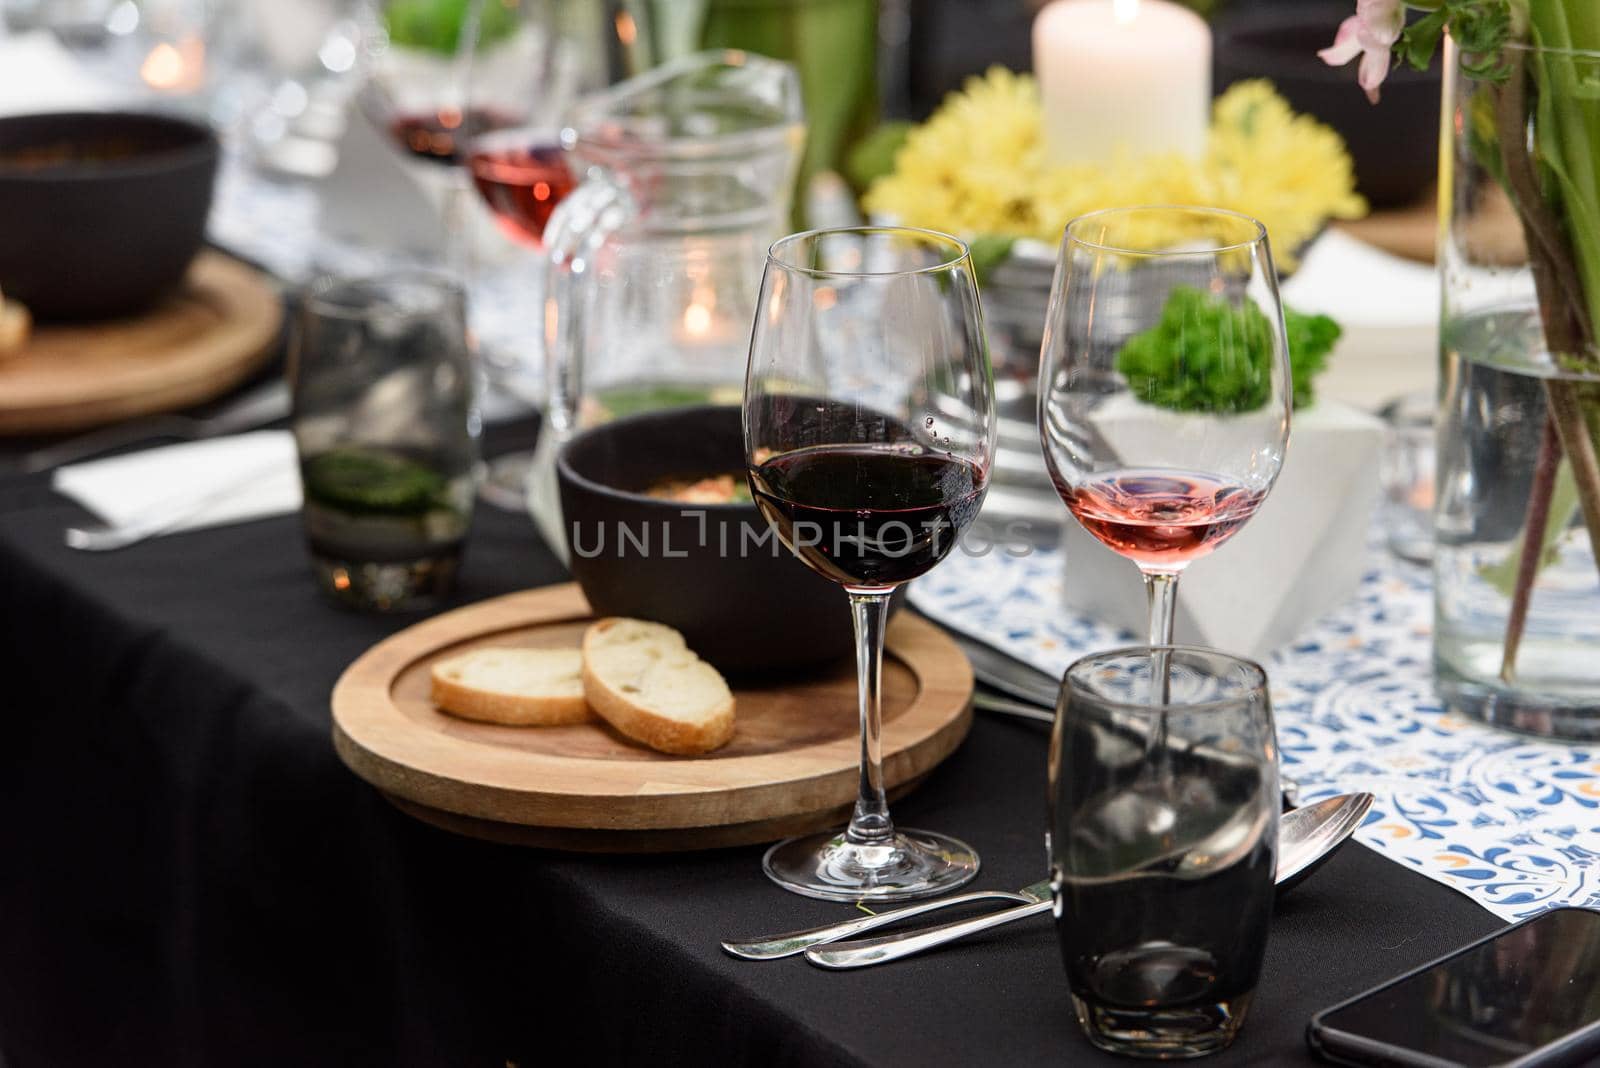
{"x":646,"y":682}
{"x":15,"y":326}
{"x":517,"y":687}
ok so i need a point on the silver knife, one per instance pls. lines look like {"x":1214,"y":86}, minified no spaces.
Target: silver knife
{"x":1006,"y":673}
{"x":787,"y":945}
{"x":254,"y":408}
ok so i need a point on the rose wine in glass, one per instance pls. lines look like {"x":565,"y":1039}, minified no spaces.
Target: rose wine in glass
{"x":1161,"y":519}
{"x":521,"y":180}
{"x":1164,"y":385}
{"x":869,"y":432}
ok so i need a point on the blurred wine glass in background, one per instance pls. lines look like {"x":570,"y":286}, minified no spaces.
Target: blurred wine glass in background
{"x":294,"y":64}
{"x":472,"y":92}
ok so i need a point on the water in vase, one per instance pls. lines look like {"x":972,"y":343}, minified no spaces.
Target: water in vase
{"x":1496,"y":376}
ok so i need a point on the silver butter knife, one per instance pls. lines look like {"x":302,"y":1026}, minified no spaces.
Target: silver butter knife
{"x":787,"y":945}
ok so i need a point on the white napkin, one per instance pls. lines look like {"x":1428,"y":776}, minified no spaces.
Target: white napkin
{"x":1361,"y":285}
{"x":215,"y":482}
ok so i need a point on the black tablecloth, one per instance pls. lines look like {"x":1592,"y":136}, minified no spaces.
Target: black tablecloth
{"x":188,"y":875}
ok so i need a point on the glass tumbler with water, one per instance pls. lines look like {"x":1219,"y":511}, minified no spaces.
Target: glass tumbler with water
{"x":1163,"y":845}
{"x":387,"y":434}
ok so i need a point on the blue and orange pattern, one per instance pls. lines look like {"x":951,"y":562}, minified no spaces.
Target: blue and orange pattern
{"x":1512,"y":822}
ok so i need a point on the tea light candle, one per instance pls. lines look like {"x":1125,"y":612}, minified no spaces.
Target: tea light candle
{"x":175,"y":67}
{"x":1122,"y":75}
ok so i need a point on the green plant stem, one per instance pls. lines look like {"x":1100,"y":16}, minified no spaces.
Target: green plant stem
{"x":1566,"y":410}
{"x":1567,"y":330}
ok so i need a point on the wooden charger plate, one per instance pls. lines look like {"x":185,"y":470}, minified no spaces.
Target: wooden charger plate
{"x":196,"y":344}
{"x":790,"y":768}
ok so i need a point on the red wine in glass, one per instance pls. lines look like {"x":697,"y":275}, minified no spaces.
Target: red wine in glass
{"x":868,"y":516}
{"x":438,"y":136}
{"x":1162,"y":519}
{"x":522,"y":184}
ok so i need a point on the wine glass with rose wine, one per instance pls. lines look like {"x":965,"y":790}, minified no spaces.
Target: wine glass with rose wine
{"x":519,"y":85}
{"x":869,"y":433}
{"x":481,"y":84}
{"x":519,"y":89}
{"x":1164,"y":385}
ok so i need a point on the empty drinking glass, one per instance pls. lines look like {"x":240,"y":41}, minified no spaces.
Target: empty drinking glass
{"x":387,"y":435}
{"x":1406,"y":471}
{"x":1163,"y":845}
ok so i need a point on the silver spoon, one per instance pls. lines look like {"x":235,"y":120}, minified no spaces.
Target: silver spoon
{"x":1307,"y":837}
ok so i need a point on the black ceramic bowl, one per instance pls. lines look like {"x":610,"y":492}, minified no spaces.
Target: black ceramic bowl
{"x":1395,"y":144}
{"x":100,"y":212}
{"x":715,"y":572}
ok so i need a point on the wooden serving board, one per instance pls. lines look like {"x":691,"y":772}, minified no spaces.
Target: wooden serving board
{"x":790,"y":768}
{"x":196,"y":344}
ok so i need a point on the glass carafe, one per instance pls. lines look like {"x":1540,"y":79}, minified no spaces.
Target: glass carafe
{"x":655,"y":259}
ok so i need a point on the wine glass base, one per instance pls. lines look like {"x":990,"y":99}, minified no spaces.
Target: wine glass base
{"x":913,"y":864}
{"x":505,"y":482}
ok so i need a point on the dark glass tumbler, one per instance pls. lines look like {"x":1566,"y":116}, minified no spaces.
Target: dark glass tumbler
{"x":1163,"y":845}
{"x":387,"y":433}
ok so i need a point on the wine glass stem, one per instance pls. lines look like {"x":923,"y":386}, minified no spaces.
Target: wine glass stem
{"x":870,"y":824}
{"x":1161,"y":591}
{"x":457,"y":227}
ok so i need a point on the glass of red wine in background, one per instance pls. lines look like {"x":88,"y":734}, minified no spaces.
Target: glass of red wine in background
{"x":1164,"y":385}
{"x":869,"y":433}
{"x":414,"y":74}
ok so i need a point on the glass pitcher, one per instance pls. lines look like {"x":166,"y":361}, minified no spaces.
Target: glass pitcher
{"x":654,"y":261}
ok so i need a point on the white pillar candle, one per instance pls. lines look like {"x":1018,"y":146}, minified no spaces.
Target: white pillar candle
{"x":1128,"y":76}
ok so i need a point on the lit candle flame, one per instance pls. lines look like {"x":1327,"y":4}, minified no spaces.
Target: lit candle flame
{"x":627,"y":31}
{"x":175,"y":68}
{"x":697,"y":316}
{"x":697,"y":320}
{"x":1125,"y":10}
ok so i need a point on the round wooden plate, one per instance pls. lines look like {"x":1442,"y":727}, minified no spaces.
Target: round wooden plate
{"x":196,"y":344}
{"x":790,"y":768}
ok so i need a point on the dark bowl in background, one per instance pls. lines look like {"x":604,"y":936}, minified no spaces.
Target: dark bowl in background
{"x":1395,"y":143}
{"x":758,"y":610}
{"x":102,"y":211}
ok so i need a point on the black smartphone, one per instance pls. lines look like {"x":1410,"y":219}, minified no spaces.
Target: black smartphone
{"x":1525,"y":996}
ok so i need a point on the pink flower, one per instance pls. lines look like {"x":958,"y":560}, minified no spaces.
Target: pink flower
{"x":1369,"y":33}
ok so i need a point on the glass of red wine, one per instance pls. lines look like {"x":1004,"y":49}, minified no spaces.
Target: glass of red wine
{"x":1164,"y":385}
{"x":869,"y":433}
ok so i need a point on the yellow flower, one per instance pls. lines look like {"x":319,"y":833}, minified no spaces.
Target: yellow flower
{"x":978,"y":166}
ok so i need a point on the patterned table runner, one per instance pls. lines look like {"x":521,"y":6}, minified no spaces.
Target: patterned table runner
{"x":1512,"y":822}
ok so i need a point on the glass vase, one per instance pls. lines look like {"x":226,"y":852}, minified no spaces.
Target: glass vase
{"x":1516,"y":579}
